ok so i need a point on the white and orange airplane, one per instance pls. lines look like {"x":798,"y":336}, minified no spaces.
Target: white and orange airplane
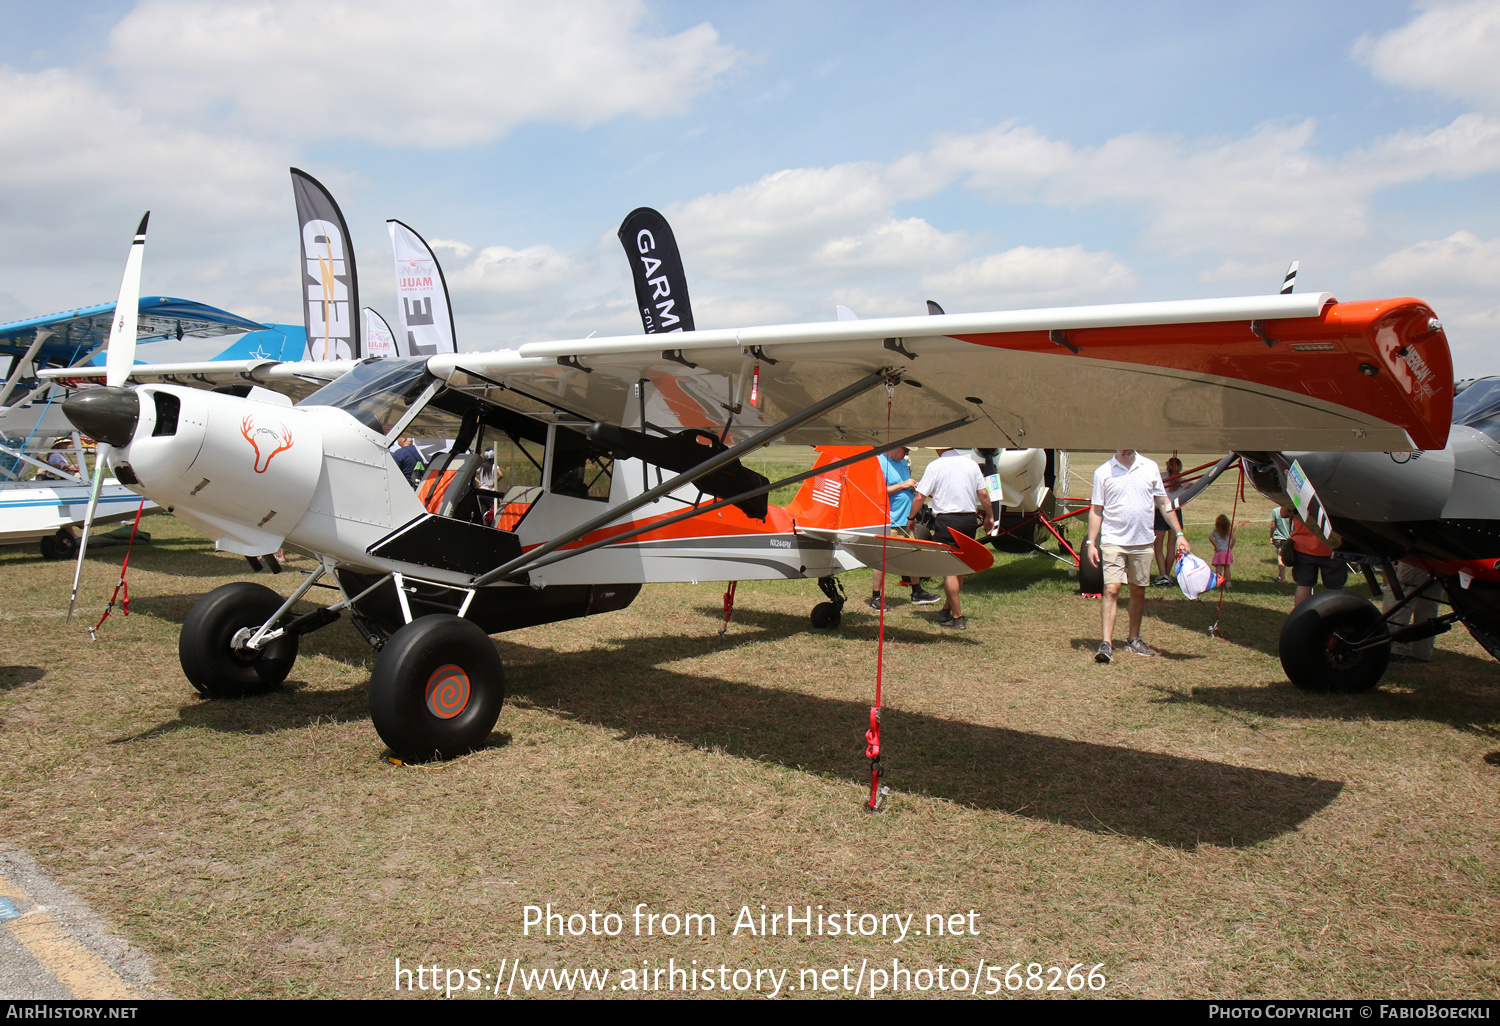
{"x":636,"y":444}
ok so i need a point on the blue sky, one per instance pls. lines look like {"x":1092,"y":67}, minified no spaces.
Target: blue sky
{"x":988,"y":156}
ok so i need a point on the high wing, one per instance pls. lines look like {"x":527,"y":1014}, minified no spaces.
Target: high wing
{"x":72,"y":333}
{"x":1253,"y":373}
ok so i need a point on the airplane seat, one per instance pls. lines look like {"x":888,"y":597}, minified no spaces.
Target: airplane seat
{"x":444,"y":490}
{"x":517,"y":502}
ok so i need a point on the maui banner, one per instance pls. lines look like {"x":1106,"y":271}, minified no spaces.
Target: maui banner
{"x":660,"y":283}
{"x":332,"y":292}
{"x":426,"y":316}
{"x":379,"y":341}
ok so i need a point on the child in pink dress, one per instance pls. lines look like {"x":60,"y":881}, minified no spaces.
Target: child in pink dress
{"x":1222,"y":539}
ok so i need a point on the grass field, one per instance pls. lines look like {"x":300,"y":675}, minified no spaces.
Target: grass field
{"x":1192,"y":825}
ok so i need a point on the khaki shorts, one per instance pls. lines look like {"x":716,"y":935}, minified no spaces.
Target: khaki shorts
{"x":1128,"y":564}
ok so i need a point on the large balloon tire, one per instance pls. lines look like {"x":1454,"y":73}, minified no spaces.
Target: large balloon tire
{"x":1313,"y":653}
{"x":211,"y":663}
{"x":437,"y":689}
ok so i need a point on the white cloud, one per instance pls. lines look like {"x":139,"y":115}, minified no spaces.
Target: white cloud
{"x":1461,"y":261}
{"x":1450,"y":49}
{"x":447,"y":73}
{"x":1260,"y":197}
{"x":76,"y":151}
{"x":1058,"y":275}
{"x":812,"y":225}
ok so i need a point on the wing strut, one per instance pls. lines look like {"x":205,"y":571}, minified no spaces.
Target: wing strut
{"x":724,"y":458}
{"x":698,"y":511}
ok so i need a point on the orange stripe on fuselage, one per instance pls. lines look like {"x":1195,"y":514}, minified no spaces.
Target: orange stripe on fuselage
{"x":1413,"y":390}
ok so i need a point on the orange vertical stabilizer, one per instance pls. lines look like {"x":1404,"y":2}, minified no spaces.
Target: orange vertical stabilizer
{"x":846,"y":499}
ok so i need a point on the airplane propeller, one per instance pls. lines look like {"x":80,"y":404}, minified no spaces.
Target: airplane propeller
{"x":103,"y":415}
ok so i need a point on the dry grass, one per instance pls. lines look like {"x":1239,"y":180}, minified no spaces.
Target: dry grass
{"x":1192,"y":822}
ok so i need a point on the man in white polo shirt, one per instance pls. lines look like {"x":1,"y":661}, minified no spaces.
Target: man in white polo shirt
{"x":955,"y":486}
{"x":1126,"y":491}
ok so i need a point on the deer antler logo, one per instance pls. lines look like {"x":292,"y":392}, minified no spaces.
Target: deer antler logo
{"x":262,"y":440}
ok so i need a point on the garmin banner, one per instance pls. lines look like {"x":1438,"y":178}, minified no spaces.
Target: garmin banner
{"x":379,"y":341}
{"x":661,"y":292}
{"x":332,"y":292}
{"x":426,"y":317}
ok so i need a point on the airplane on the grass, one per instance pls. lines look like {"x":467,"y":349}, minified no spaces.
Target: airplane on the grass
{"x":1437,"y":509}
{"x":635,"y":445}
{"x":42,"y":501}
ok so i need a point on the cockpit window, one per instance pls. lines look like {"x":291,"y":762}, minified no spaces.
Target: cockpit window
{"x":1478,"y":407}
{"x":375,"y":393}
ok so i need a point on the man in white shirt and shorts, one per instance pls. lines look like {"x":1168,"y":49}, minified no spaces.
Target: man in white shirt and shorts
{"x":1127,"y":490}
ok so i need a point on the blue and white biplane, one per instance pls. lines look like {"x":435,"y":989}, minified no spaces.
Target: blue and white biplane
{"x":45,"y":466}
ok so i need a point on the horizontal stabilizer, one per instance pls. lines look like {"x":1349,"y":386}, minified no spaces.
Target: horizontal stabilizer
{"x":910,"y":557}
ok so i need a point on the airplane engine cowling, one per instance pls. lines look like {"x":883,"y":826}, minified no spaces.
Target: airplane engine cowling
{"x":239,"y":470}
{"x":1384,"y":486}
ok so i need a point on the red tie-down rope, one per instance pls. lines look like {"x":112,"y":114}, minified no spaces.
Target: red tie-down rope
{"x":122,"y":586}
{"x":728,"y":606}
{"x":872,"y":736}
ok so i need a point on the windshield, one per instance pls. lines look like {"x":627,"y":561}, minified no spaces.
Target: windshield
{"x":375,"y":393}
{"x":1478,"y":407}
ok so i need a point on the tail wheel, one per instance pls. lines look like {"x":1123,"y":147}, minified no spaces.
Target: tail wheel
{"x":1315,"y":644}
{"x":206,"y":649}
{"x":437,"y":689}
{"x":61,"y":545}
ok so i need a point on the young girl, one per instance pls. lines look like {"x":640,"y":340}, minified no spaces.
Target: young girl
{"x":1222,"y":539}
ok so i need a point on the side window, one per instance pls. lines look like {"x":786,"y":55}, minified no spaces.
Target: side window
{"x":580,"y":468}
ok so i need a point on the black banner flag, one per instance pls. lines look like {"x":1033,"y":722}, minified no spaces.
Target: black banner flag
{"x":661,"y":292}
{"x":331,"y":291}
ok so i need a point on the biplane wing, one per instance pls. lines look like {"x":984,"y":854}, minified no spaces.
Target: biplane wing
{"x":296,"y":379}
{"x":72,"y":333}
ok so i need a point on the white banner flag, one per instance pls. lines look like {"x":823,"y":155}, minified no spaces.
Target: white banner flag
{"x":422,"y":295}
{"x":378,"y":338}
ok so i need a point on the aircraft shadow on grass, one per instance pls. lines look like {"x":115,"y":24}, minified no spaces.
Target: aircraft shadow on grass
{"x":1172,"y":800}
{"x":1101,"y":788}
{"x":12,"y":677}
{"x":1455,"y":690}
{"x":1410,"y":693}
{"x":860,"y":624}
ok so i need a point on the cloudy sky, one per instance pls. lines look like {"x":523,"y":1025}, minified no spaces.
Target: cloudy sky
{"x":986,"y":155}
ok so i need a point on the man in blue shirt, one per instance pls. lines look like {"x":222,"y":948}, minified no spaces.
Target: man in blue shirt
{"x":900,"y":489}
{"x":408,"y":458}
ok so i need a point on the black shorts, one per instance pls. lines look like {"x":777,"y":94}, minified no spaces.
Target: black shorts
{"x":964,"y":523}
{"x":1160,"y":522}
{"x":1306,"y":568}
